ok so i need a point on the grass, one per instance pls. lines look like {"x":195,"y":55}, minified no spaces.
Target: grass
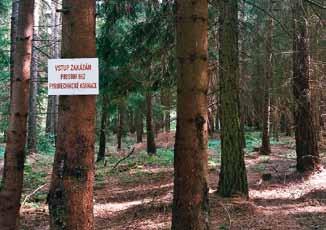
{"x":46,"y":144}
{"x":36,"y":175}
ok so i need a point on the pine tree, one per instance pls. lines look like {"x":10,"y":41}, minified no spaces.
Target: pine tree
{"x":190,"y":198}
{"x":13,"y":173}
{"x":71,"y":191}
{"x":233,"y":177}
{"x":305,"y":133}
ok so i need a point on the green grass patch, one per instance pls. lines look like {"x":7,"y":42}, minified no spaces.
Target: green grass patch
{"x":46,"y":144}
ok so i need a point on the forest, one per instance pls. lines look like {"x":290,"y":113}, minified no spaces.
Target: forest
{"x":186,"y":114}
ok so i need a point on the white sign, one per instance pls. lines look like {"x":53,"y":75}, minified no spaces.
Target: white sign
{"x":73,"y":76}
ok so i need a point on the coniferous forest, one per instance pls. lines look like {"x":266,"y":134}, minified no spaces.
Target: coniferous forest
{"x":192,"y":114}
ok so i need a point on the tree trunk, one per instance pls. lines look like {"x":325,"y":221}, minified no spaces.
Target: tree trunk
{"x":33,"y":91}
{"x":190,"y":196}
{"x":53,"y":101}
{"x":305,"y":134}
{"x":139,"y":125}
{"x":166,"y":102}
{"x":276,"y":121}
{"x":266,"y":148}
{"x":131,"y":119}
{"x":233,"y":177}
{"x":71,"y":191}
{"x":121,"y":111}
{"x":242,"y":65}
{"x":211,"y":125}
{"x":12,"y":181}
{"x":104,"y":121}
{"x":13,"y":38}
{"x":51,"y":116}
{"x":151,"y":147}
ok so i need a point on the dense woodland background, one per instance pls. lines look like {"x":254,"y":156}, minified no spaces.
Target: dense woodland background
{"x":228,"y":93}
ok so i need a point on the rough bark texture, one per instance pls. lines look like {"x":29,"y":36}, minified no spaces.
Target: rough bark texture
{"x":266,"y":147}
{"x":151,"y":146}
{"x":51,"y":116}
{"x":190,"y":196}
{"x":33,"y":92}
{"x":104,"y":124}
{"x":242,"y":67}
{"x":16,"y":135}
{"x":53,"y":101}
{"x":71,"y":191}
{"x":305,"y":135}
{"x":13,"y":38}
{"x":233,"y":177}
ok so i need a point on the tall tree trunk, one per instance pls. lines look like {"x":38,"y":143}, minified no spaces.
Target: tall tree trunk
{"x":266,"y":148}
{"x":233,"y":177}
{"x":242,"y":65}
{"x":71,"y":191}
{"x":104,"y":125}
{"x":53,"y":101}
{"x":131,"y":119}
{"x":305,"y":134}
{"x":190,"y":196}
{"x":121,"y":113}
{"x":276,"y":120}
{"x":151,"y":146}
{"x":12,"y":182}
{"x":33,"y":91}
{"x":139,"y":125}
{"x":166,"y":102}
{"x":13,"y":39}
{"x":51,"y":116}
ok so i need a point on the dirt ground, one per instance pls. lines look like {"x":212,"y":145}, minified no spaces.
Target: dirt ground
{"x":141,"y":199}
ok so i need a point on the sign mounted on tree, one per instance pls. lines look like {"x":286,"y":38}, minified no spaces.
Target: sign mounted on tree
{"x":73,"y":76}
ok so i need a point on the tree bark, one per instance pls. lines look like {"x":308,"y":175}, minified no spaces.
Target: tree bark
{"x":151,"y":146}
{"x":71,"y":191}
{"x":13,"y":39}
{"x":131,"y":119}
{"x":190,"y":196}
{"x":242,"y":66}
{"x":104,"y":124}
{"x":305,"y":135}
{"x":166,"y":102}
{"x":33,"y":93}
{"x":266,"y":148}
{"x":12,"y":181}
{"x":121,"y":113}
{"x":53,"y":101}
{"x":233,"y":177}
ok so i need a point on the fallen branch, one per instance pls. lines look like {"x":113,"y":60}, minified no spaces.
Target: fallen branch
{"x":34,"y":192}
{"x":119,"y":161}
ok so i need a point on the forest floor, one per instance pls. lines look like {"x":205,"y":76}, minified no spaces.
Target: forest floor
{"x":138,"y":193}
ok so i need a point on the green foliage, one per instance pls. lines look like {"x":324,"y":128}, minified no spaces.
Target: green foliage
{"x":46,"y":144}
{"x":136,"y":50}
{"x":33,"y":177}
{"x":253,"y":140}
{"x":163,"y":157}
